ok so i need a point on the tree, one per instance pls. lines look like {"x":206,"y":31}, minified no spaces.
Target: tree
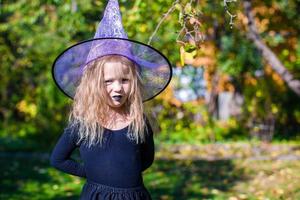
{"x":268,"y":54}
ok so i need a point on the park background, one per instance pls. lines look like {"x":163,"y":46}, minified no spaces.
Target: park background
{"x":227,"y":126}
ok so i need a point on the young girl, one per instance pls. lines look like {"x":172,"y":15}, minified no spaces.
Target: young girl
{"x":109,"y":78}
{"x":113,"y":143}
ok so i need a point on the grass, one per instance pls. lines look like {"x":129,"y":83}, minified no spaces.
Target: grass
{"x":238,"y":179}
{"x":168,"y":178}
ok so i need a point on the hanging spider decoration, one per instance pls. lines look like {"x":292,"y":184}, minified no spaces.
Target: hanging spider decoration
{"x":228,"y":12}
{"x":189,"y":19}
{"x":191,"y":35}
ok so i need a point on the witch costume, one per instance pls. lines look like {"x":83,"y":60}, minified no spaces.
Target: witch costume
{"x":113,"y":170}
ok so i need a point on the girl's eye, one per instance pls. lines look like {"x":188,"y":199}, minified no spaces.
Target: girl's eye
{"x":108,"y":81}
{"x":125,"y":80}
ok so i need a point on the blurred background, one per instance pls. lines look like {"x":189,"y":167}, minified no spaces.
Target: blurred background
{"x":227,"y":126}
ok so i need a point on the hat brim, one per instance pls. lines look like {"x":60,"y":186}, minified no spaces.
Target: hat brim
{"x":154,"y":68}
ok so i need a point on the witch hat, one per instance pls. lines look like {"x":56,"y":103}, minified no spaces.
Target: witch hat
{"x":110,"y":39}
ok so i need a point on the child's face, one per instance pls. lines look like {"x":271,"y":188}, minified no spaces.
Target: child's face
{"x":117,"y":83}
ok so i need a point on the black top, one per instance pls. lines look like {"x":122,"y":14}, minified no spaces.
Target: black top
{"x":119,"y":162}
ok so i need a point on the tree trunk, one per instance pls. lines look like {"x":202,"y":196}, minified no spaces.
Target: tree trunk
{"x":267,"y":53}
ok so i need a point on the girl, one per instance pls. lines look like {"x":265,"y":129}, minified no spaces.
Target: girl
{"x":109,"y":78}
{"x":108,"y":137}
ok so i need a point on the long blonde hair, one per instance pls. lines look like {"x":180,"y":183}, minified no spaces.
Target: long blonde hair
{"x":90,"y":107}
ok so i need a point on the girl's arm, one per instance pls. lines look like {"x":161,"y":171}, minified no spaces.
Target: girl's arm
{"x":61,"y":155}
{"x":148,"y":148}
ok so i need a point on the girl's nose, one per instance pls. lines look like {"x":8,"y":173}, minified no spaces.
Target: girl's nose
{"x":117,"y":86}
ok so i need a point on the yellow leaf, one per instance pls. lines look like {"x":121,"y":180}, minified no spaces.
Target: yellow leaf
{"x":28,"y":108}
{"x":181,"y":55}
{"x":242,"y":196}
{"x":178,"y":6}
{"x":258,"y":93}
{"x":188,"y":8}
{"x":215,"y":191}
{"x":274,"y":108}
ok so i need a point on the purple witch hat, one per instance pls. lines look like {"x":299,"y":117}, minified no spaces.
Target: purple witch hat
{"x":110,"y":39}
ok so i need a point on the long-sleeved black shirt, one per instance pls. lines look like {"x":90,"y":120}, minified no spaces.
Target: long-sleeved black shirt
{"x":119,"y":162}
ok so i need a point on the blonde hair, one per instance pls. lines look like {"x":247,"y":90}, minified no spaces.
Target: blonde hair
{"x":90,"y":107}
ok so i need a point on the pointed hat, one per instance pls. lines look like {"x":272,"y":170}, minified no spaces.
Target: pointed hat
{"x":110,"y":39}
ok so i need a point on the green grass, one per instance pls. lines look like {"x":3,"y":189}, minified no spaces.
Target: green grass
{"x":32,"y":178}
{"x":167,"y":179}
{"x":224,"y":179}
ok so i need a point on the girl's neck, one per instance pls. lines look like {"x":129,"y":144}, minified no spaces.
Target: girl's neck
{"x":117,"y":119}
{"x":119,"y":113}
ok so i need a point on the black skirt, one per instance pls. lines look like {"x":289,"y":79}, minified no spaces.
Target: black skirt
{"x":96,"y":191}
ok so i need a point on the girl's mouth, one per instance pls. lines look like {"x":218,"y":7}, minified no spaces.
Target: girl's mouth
{"x":117,"y":97}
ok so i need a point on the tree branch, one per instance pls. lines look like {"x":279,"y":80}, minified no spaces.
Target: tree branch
{"x":161,"y":21}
